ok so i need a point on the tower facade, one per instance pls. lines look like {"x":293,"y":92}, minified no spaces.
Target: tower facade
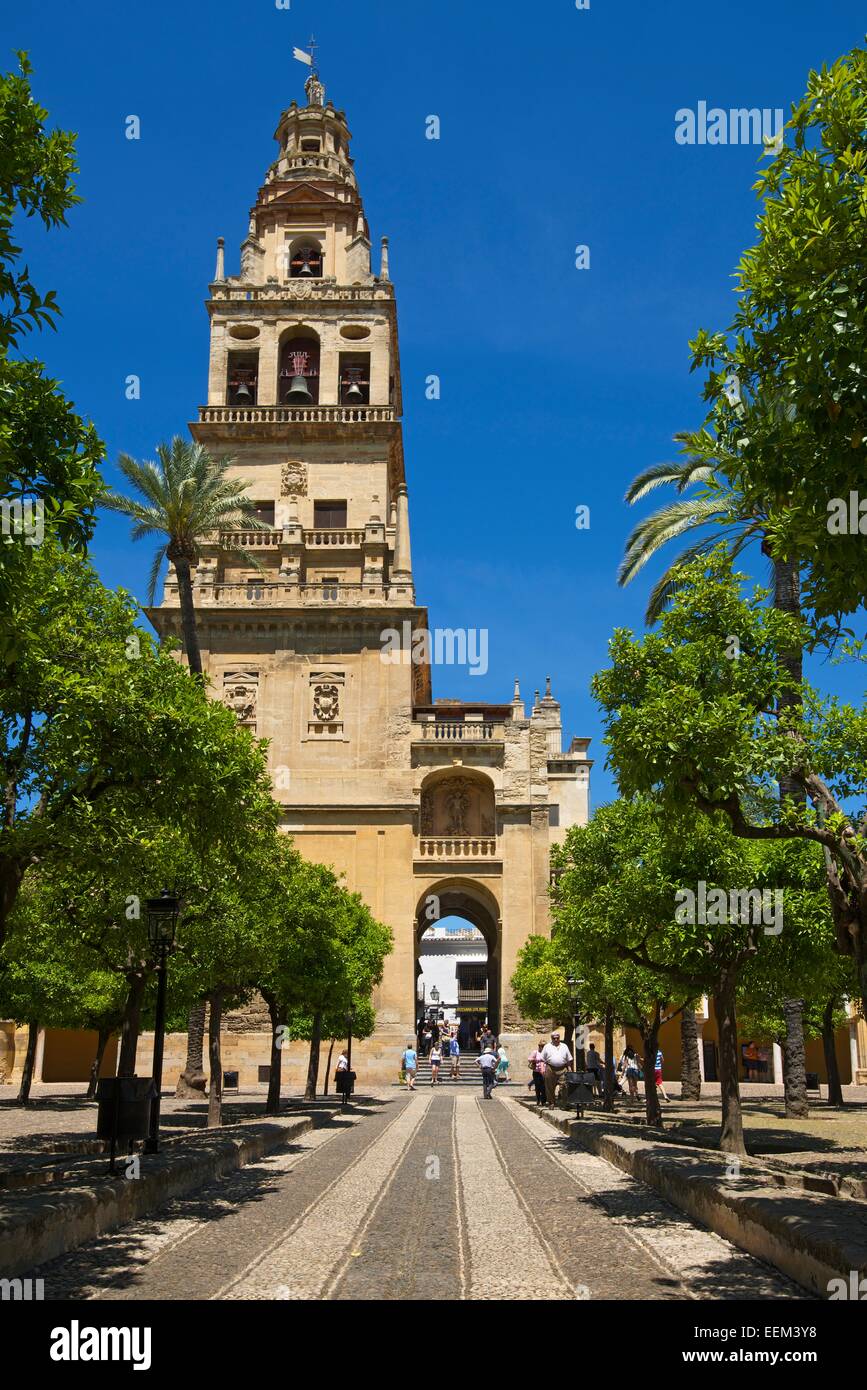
{"x":428,"y":808}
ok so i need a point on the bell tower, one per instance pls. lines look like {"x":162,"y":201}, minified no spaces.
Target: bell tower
{"x":308,"y":621}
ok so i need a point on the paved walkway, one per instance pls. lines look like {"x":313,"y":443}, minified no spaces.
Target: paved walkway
{"x":418,"y":1197}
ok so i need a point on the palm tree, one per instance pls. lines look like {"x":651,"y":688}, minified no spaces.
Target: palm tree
{"x":715,"y":503}
{"x":188,"y":497}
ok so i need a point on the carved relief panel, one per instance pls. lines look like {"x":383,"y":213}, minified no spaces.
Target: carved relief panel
{"x":459,"y":806}
{"x":326,"y":701}
{"x":241,"y":694}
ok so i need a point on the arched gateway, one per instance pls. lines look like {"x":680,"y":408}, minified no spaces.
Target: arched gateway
{"x":409,"y":797}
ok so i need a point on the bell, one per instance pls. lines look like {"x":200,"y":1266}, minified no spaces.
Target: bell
{"x":354,"y":394}
{"x":305,"y":269}
{"x":242,"y":393}
{"x":298,"y":393}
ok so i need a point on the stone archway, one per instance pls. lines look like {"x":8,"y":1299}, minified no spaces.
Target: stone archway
{"x":476,"y":904}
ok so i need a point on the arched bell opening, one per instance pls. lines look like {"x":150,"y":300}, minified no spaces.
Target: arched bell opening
{"x":298,"y":381}
{"x":305,"y":260}
{"x":242,"y":378}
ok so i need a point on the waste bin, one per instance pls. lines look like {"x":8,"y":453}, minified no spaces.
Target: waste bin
{"x":124,"y":1107}
{"x":579,"y":1088}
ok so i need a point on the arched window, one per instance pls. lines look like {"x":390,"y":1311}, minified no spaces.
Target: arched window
{"x":299,"y":371}
{"x":305,"y":262}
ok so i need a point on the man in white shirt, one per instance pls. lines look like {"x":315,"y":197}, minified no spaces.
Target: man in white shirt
{"x":557,"y":1058}
{"x":487,"y":1061}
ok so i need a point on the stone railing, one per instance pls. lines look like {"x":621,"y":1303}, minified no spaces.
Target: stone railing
{"x":328,"y":162}
{"x":279,"y":594}
{"x":457,"y":731}
{"x":314,"y":288}
{"x":457,"y":847}
{"x":295,"y":414}
{"x":251,"y":540}
{"x":325,"y":536}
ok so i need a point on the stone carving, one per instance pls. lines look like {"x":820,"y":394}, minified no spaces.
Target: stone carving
{"x":293,"y":479}
{"x":240,"y":694}
{"x":457,"y":805}
{"x":326,"y":703}
{"x":427,"y":813}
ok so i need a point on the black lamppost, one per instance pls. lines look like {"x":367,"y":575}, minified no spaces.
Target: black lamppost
{"x":435,"y":998}
{"x":575,"y":992}
{"x":162,"y":920}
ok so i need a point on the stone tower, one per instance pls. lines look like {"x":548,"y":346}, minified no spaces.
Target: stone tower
{"x":410,"y":800}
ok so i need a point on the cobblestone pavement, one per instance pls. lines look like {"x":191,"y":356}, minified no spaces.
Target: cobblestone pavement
{"x":418,"y":1197}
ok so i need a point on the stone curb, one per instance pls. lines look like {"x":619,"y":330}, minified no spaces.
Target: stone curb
{"x":50,"y":1224}
{"x":812,"y":1237}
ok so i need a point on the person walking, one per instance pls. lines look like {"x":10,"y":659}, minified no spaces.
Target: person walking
{"x":488,"y":1062}
{"x":502,"y":1064}
{"x":410,"y":1065}
{"x":628,"y":1067}
{"x":657,"y":1076}
{"x":557,"y":1058}
{"x":435,"y":1058}
{"x":456,"y":1059}
{"x":537,"y":1068}
{"x":594,"y":1065}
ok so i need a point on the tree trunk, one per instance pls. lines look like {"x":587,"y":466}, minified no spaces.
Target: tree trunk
{"x":215,"y":1060}
{"x":188,"y":614}
{"x":690,"y":1066}
{"x":835,"y":1089}
{"x":131,"y":1026}
{"x":11,"y":877}
{"x":96,"y":1065}
{"x":652,"y":1110}
{"x":192,"y":1080}
{"x":608,"y":1101}
{"x":787,"y":599}
{"x":275,"y":1071}
{"x":29,"y":1062}
{"x":313,"y":1064}
{"x":328,"y":1066}
{"x":795,"y":1071}
{"x":732,"y":1134}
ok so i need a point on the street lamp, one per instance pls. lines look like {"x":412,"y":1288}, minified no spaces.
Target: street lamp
{"x":162,"y":920}
{"x":434,"y":996}
{"x":575,"y":992}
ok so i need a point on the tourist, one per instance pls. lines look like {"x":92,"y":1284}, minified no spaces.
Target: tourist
{"x":435,"y":1058}
{"x":557,"y":1058}
{"x":628,"y":1067}
{"x":752,"y":1061}
{"x":456,"y":1059}
{"x":426,"y":1041}
{"x":657,"y":1076}
{"x":488,"y":1062}
{"x":594,"y":1065}
{"x":537,"y":1067}
{"x":502,"y":1064}
{"x":446,"y":1045}
{"x":410,"y":1065}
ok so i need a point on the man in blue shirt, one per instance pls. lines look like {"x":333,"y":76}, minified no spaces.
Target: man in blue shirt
{"x":410,"y":1065}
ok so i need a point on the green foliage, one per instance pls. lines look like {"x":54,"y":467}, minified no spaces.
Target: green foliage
{"x":100,"y":726}
{"x":540,"y":981}
{"x":794,"y":435}
{"x":36,"y":171}
{"x":48,"y":454}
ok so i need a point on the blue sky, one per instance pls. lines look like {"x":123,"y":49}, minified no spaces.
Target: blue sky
{"x":558,"y":385}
